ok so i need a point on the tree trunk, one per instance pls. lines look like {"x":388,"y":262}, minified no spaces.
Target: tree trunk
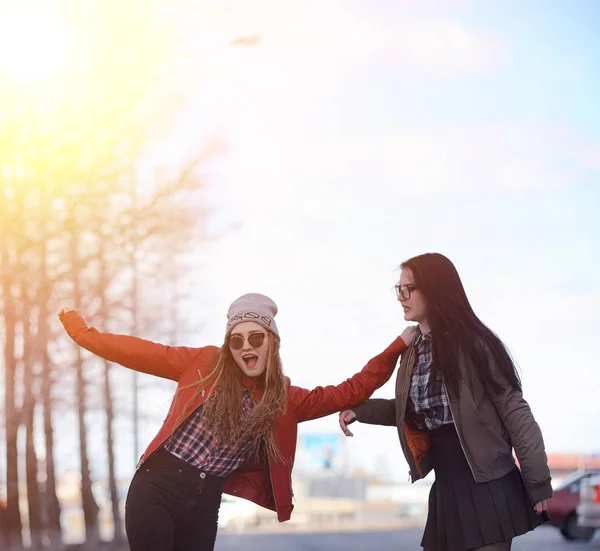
{"x":110,"y":446}
{"x":12,"y":514}
{"x":103,"y":283}
{"x":88,"y":502}
{"x":31,"y":460}
{"x":51,"y":503}
{"x":36,"y":528}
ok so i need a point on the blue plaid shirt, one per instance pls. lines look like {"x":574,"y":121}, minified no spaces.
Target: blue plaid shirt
{"x":428,"y":409}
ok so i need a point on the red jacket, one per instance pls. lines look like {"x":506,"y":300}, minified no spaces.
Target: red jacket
{"x":268,"y":484}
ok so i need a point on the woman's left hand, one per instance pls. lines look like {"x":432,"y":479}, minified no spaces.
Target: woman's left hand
{"x":409,"y":334}
{"x":541,"y":506}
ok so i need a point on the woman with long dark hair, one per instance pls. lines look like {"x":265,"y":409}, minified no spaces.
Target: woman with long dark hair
{"x":460,"y":411}
{"x":231,"y":427}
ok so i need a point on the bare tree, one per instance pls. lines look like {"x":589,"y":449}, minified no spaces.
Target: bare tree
{"x":12,"y":515}
{"x":68,"y":233}
{"x":51,"y":509}
{"x":89,"y":505}
{"x":34,"y":504}
{"x":103,"y":280}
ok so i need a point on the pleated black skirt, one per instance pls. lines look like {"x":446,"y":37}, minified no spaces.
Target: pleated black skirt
{"x":465,"y":515}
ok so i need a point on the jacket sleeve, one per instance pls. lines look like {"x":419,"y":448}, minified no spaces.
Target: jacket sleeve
{"x":524,"y":432}
{"x":322,"y":401}
{"x":377,"y":412}
{"x":131,"y":352}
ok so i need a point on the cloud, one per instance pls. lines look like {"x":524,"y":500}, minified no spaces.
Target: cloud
{"x":487,"y":157}
{"x":477,"y":159}
{"x":331,"y":39}
{"x":286,"y":106}
{"x":443,"y":48}
{"x":588,"y":155}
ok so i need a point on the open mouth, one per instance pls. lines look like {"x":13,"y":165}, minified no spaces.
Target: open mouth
{"x":250,"y":360}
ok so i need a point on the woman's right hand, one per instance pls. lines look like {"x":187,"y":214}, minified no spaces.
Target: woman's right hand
{"x":346,"y":417}
{"x":64,"y":311}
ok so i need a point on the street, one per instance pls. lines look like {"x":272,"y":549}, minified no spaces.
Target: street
{"x":542,"y":539}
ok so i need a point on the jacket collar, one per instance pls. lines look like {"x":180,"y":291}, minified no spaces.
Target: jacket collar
{"x":255,"y":387}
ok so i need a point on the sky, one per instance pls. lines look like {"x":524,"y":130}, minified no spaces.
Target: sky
{"x":360,"y":133}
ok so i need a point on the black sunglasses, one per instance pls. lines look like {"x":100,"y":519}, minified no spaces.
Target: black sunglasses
{"x":255,"y":339}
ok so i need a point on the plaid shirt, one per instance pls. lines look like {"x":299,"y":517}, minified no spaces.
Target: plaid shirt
{"x":429,"y":410}
{"x":193,"y":442}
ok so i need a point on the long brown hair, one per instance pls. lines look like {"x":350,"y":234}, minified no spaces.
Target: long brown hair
{"x":456,"y":329}
{"x":223,"y":409}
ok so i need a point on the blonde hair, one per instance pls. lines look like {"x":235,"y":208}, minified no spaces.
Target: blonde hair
{"x":223,"y":409}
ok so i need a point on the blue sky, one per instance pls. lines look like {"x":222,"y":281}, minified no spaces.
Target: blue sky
{"x":361,"y":133}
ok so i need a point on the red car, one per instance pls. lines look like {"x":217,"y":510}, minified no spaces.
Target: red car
{"x":562,"y":508}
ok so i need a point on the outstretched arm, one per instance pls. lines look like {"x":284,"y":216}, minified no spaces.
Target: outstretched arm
{"x":137,"y":354}
{"x":322,"y":401}
{"x":375,"y":411}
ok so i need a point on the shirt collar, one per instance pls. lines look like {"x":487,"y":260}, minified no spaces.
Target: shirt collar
{"x":422,"y":336}
{"x":254,"y":387}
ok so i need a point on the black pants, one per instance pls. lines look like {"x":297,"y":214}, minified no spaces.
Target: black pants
{"x":172,"y":506}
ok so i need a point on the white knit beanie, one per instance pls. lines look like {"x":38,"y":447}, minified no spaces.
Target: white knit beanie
{"x":252,"y":307}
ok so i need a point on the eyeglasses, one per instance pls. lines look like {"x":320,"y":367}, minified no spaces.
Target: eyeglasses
{"x":404,"y":291}
{"x":255,"y":340}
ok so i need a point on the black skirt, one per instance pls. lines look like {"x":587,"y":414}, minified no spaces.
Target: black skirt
{"x":464,"y":514}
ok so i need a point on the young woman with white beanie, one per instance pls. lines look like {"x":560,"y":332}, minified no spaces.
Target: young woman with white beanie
{"x":231,"y":427}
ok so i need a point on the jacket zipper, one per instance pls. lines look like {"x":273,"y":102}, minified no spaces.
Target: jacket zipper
{"x":180,"y":422}
{"x":459,"y":437}
{"x":202,"y":382}
{"x":404,"y":397}
{"x":273,"y":486}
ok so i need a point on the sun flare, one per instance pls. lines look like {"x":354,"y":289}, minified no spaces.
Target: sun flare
{"x":34,"y":42}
